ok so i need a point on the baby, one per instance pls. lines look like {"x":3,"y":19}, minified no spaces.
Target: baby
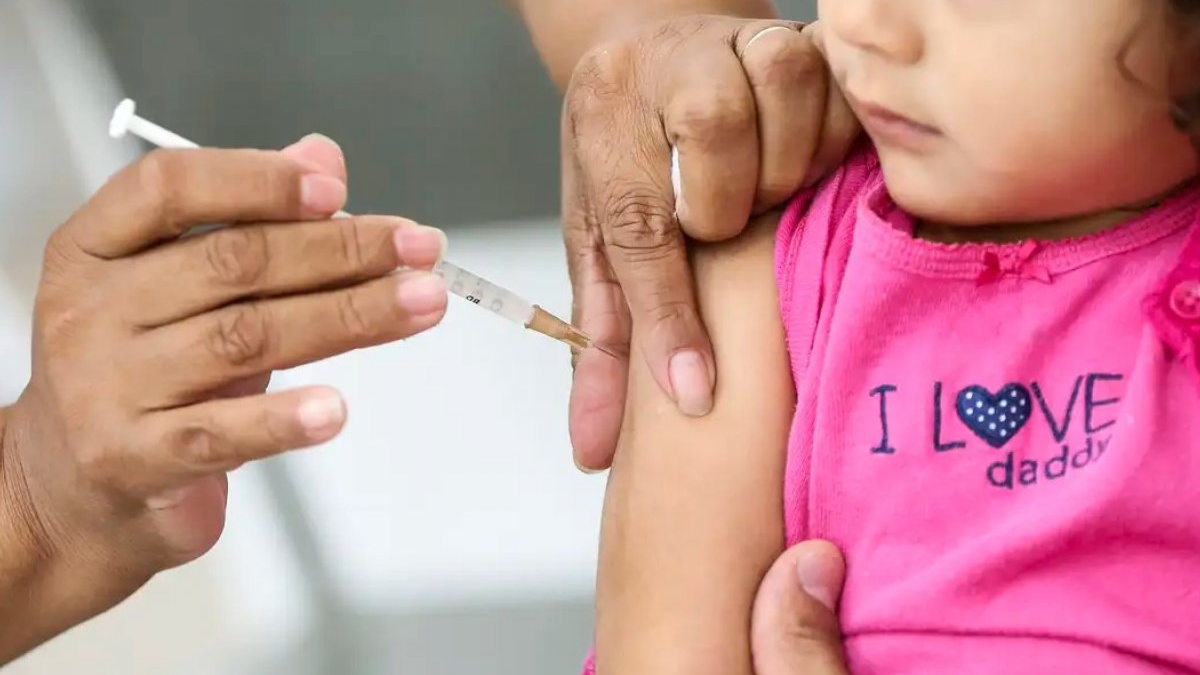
{"x":968,"y":358}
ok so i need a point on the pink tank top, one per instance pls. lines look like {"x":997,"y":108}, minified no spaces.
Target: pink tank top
{"x":1003,"y":439}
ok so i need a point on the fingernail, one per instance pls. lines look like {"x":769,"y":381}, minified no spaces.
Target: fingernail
{"x":420,"y":294}
{"x":322,"y":194}
{"x":333,"y":145}
{"x":691,"y":383}
{"x":322,"y":138}
{"x":445,"y":245}
{"x":818,"y":576}
{"x":321,"y":414}
{"x":585,"y":470}
{"x":297,"y":151}
{"x":420,"y":245}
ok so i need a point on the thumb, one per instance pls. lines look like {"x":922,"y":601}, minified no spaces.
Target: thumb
{"x":795,"y":627}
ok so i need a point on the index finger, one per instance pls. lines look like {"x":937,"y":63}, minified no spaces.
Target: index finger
{"x":167,"y":192}
{"x":597,"y":402}
{"x":625,"y":169}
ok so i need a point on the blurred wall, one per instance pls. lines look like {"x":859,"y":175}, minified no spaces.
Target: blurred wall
{"x":33,"y":183}
{"x":442,"y":105}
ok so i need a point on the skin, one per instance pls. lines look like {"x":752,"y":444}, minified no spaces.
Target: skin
{"x":693,"y":516}
{"x":563,"y":32}
{"x":151,"y":354}
{"x":693,"y":513}
{"x":992,"y":161}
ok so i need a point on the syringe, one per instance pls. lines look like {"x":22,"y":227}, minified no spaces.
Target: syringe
{"x":476,"y":289}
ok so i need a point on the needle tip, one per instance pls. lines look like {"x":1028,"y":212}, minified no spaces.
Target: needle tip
{"x":605,"y":351}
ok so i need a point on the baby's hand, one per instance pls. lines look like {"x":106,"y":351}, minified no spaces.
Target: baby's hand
{"x":152,"y":352}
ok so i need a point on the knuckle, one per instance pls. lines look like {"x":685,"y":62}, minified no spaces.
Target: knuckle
{"x":353,"y":319}
{"x":240,"y":336}
{"x":600,"y":78}
{"x":65,"y":267}
{"x":665,"y":308}
{"x":238,"y":257}
{"x":352,"y":244}
{"x":64,"y":312}
{"x":279,"y":429}
{"x":58,"y":327}
{"x":710,"y":117}
{"x":784,"y":62}
{"x":159,"y":177}
{"x":199,"y":444}
{"x":275,"y":184}
{"x":60,"y":252}
{"x":640,"y":225}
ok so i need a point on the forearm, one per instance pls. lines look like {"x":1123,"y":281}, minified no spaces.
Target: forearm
{"x":564,"y":30}
{"x":693,"y":512}
{"x":19,"y":559}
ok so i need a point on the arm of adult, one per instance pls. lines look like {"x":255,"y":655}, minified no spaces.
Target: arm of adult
{"x":564,"y":30}
{"x":152,"y":353}
{"x":693,"y":512}
{"x":745,"y":100}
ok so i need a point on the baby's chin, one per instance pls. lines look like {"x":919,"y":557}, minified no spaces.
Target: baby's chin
{"x":939,"y":190}
{"x":929,"y":191}
{"x":934,"y":203}
{"x":962,"y":204}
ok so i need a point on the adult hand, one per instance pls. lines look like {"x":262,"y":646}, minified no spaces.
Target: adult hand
{"x":749,"y":107}
{"x":152,"y":352}
{"x":794,"y":629}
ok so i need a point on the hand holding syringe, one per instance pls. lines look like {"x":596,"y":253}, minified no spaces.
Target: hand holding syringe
{"x":462,"y":283}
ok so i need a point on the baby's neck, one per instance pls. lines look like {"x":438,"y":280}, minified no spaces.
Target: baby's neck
{"x":1050,"y":230}
{"x":1047,"y":230}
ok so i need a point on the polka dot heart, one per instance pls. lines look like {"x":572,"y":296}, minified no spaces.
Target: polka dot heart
{"x":995,"y":418}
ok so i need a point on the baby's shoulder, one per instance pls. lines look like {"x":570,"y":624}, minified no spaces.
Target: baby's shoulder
{"x":818,"y":222}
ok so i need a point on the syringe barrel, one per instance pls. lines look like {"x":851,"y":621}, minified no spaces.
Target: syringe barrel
{"x":484,"y":293}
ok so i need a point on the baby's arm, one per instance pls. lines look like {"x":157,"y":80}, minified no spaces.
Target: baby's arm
{"x":693,"y":516}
